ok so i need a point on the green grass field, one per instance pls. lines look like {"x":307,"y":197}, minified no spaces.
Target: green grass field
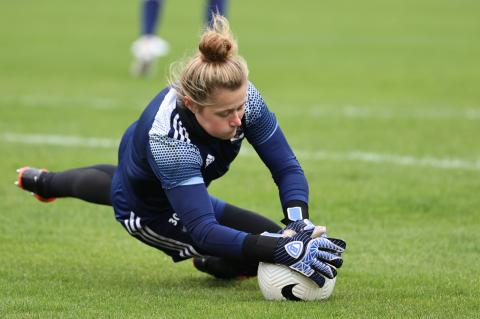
{"x":380,"y":100}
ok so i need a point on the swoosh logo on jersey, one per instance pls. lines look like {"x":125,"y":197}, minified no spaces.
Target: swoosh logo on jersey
{"x":287,"y":292}
{"x":209,"y":160}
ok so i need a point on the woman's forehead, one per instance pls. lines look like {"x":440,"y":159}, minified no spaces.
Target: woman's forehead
{"x":226,"y":98}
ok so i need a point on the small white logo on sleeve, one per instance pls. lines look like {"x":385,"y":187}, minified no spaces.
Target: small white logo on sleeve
{"x":209,"y":160}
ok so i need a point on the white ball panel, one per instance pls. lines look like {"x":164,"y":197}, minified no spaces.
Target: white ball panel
{"x":273,"y":278}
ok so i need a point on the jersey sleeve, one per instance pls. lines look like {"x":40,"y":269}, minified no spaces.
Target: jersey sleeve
{"x":263,"y":132}
{"x":174,"y":162}
{"x":194,"y":208}
{"x":260,"y":123}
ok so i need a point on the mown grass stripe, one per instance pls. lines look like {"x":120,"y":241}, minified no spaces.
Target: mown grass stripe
{"x":356,"y":155}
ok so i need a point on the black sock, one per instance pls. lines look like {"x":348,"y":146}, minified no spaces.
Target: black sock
{"x":91,"y":184}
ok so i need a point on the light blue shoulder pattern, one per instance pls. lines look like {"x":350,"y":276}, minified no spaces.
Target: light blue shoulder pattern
{"x":177,"y":162}
{"x":259,"y":121}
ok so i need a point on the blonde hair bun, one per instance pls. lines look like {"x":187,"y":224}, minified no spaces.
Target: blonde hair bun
{"x":217,"y":43}
{"x":216,"y":65}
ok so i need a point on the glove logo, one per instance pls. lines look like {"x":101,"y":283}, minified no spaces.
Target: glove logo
{"x":294,"y":248}
{"x":287,"y":292}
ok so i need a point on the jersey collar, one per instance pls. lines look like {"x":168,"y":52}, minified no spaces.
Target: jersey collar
{"x":191,"y":124}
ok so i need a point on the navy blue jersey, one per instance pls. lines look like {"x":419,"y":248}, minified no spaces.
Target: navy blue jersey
{"x":167,"y":161}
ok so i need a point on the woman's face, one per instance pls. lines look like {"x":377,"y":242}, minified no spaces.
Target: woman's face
{"x":224,"y":116}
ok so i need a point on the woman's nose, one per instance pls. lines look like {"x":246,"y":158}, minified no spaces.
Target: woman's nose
{"x":236,"y":119}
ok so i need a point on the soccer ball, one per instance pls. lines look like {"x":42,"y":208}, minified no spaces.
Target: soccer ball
{"x":278,"y":282}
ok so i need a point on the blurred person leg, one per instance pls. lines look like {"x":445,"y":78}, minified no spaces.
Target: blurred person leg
{"x":148,"y":47}
{"x":214,"y":6}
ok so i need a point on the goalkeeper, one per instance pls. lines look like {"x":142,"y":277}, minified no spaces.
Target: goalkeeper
{"x":185,"y":138}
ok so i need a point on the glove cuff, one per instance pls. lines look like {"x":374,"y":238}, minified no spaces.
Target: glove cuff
{"x":295,"y":210}
{"x":259,"y":248}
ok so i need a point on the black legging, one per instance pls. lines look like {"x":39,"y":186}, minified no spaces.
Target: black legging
{"x":92,"y":184}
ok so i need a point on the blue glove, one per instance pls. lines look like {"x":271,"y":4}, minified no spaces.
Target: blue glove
{"x":306,"y":224}
{"x":315,"y":258}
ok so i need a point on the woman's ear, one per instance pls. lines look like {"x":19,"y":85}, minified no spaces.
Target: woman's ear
{"x":189,"y":104}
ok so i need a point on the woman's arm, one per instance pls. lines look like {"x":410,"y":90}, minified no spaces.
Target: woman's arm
{"x":263,"y":132}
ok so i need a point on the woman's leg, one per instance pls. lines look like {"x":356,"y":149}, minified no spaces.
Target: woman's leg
{"x":241,"y":219}
{"x":91,"y":184}
{"x":247,"y":221}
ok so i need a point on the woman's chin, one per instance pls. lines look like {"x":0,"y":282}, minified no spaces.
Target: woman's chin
{"x":226,"y":136}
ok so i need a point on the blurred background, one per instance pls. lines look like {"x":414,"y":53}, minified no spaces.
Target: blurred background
{"x":379,"y":99}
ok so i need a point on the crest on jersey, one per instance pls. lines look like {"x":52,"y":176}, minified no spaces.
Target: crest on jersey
{"x":209,"y":160}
